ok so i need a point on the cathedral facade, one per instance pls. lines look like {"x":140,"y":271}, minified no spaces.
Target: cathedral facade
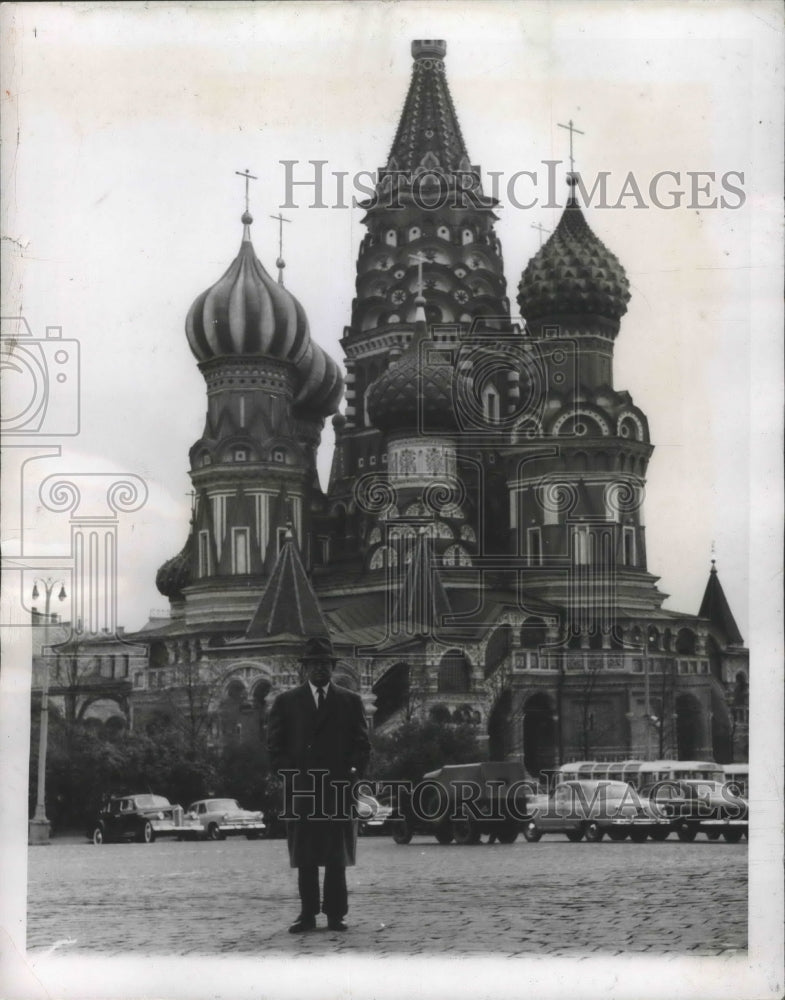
{"x":480,"y":553}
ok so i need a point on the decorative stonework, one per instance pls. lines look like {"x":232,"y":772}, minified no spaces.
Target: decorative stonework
{"x":415,"y":460}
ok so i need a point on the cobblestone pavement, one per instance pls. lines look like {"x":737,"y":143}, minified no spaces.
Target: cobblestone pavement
{"x":238,"y":897}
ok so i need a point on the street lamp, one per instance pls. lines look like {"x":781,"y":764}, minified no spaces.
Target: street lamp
{"x":38,"y":830}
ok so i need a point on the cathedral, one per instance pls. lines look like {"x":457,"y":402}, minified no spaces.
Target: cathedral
{"x":479,"y":555}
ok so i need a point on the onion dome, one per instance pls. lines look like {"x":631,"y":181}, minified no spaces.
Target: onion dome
{"x":175,"y":574}
{"x":413,"y":392}
{"x":246,"y":313}
{"x":573,"y":274}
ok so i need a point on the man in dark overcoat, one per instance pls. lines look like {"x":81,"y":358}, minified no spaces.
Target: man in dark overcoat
{"x":318,"y":738}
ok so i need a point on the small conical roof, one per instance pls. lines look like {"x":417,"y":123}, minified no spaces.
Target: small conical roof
{"x":289,"y":605}
{"x":715,"y":607}
{"x":422,"y":600}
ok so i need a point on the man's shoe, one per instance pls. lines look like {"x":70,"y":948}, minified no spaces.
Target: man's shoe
{"x":336,"y":924}
{"x":303,"y":924}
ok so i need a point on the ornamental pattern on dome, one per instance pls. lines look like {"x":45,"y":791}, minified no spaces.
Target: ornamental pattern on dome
{"x":428,"y":129}
{"x":574,"y":273}
{"x":413,"y":394}
{"x":248,"y":314}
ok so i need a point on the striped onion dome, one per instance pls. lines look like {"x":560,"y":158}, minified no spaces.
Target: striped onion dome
{"x":246,"y":313}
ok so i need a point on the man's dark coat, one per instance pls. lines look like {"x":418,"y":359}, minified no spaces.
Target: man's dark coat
{"x":335,"y":739}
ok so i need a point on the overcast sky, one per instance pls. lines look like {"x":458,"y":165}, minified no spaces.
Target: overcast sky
{"x":123,"y":130}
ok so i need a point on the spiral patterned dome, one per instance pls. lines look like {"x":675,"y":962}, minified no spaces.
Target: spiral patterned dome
{"x":175,"y":574}
{"x":247,"y":313}
{"x":411,"y":393}
{"x":574,"y":273}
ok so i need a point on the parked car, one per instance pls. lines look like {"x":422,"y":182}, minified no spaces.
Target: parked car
{"x":373,"y":816}
{"x":439,"y":805}
{"x":139,"y":817}
{"x":220,"y":818}
{"x":701,"y":806}
{"x":591,"y":809}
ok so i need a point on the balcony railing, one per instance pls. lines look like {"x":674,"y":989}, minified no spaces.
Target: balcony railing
{"x":610,"y":662}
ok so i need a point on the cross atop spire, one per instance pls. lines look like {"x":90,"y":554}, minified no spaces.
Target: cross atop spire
{"x":571,"y":129}
{"x":541,"y":229}
{"x":280,"y":263}
{"x":248,"y":177}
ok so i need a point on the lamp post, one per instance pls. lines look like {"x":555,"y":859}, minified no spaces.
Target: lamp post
{"x":39,"y":826}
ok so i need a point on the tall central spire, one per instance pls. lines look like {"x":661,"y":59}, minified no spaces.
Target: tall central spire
{"x":428,"y":133}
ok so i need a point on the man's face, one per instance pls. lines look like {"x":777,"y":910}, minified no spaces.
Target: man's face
{"x":319,"y":671}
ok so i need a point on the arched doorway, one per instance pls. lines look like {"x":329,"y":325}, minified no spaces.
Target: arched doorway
{"x":689,"y":727}
{"x":500,"y":728}
{"x":539,"y":735}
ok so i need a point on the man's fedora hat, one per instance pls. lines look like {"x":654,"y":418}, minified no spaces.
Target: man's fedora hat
{"x":318,"y":648}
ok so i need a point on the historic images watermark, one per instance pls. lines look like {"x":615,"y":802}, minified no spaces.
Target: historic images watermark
{"x":312,"y":184}
{"x":314,"y":796}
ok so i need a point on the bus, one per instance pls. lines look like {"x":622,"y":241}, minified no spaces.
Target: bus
{"x":639,"y":772}
{"x":739,"y":777}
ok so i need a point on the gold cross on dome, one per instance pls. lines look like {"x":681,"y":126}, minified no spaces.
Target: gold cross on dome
{"x":571,"y":129}
{"x":248,"y":177}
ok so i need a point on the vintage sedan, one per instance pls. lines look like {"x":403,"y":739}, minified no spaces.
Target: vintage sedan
{"x":373,"y":816}
{"x":220,"y":818}
{"x":590,"y":809}
{"x":139,"y":817}
{"x":701,"y":806}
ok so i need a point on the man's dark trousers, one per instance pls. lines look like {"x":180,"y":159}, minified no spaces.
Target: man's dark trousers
{"x":335,"y":900}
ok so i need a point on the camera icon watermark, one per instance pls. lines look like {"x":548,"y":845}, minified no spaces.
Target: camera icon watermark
{"x":40,"y":379}
{"x":499,"y":382}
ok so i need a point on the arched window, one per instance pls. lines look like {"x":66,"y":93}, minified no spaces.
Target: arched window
{"x":391,"y":238}
{"x":685,"y":642}
{"x":456,"y":555}
{"x":454,"y":674}
{"x":384,"y":556}
{"x":467,"y":236}
{"x":414,"y":233}
{"x":443,"y":233}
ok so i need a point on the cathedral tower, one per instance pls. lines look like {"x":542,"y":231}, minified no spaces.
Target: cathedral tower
{"x":269,"y":388}
{"x":428,"y":210}
{"x":577,"y":504}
